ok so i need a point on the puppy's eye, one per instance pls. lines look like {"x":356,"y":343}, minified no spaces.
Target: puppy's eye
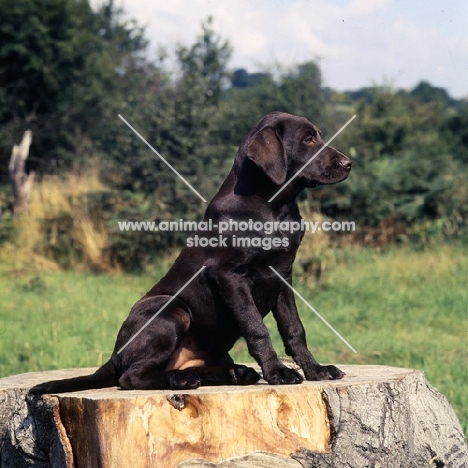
{"x":309,"y":139}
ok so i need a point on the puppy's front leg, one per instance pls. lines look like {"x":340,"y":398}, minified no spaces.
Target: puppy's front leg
{"x":239,"y":300}
{"x":293,"y":334}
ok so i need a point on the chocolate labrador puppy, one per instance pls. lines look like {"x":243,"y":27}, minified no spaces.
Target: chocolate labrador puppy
{"x":178,"y":336}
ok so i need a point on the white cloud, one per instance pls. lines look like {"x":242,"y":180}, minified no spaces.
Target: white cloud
{"x":356,"y":41}
{"x":365,"y":7}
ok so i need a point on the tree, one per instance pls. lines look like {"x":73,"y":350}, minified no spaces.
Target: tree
{"x":425,"y":92}
{"x":176,"y":114}
{"x":204,"y":64}
{"x":241,"y":78}
{"x":407,"y":171}
{"x":61,"y":65}
{"x":302,"y":92}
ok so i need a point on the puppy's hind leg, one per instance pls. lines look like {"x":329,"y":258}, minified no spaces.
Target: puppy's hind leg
{"x":146,"y":343}
{"x":229,"y":374}
{"x":148,"y":377}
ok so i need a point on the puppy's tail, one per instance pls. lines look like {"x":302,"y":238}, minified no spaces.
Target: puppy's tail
{"x":105,"y":376}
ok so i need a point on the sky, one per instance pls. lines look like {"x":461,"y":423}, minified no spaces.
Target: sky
{"x":356,"y":42}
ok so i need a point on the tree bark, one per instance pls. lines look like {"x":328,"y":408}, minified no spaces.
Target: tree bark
{"x":21,"y":182}
{"x":376,"y":416}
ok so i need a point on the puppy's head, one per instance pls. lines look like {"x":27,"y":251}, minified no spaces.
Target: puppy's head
{"x":281,"y":144}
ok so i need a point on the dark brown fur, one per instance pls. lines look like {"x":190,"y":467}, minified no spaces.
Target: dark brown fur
{"x":187,"y":344}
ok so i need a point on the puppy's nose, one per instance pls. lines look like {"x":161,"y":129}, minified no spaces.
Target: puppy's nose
{"x":346,"y":163}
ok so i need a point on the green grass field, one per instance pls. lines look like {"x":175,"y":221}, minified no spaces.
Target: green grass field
{"x":401,"y":307}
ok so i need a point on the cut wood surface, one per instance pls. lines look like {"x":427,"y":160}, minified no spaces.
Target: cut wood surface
{"x":377,"y":416}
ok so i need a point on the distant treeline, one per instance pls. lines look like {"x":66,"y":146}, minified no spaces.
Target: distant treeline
{"x":67,"y":71}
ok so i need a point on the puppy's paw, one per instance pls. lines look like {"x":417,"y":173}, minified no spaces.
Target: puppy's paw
{"x":182,"y":380}
{"x":336,"y":373}
{"x":282,"y":375}
{"x":243,"y":375}
{"x":324,"y":373}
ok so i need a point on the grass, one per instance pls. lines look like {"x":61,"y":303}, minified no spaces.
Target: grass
{"x":400,"y":307}
{"x":57,"y":224}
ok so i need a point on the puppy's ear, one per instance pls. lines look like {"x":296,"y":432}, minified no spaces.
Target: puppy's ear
{"x":267,"y":152}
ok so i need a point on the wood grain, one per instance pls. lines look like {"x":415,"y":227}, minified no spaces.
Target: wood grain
{"x":376,"y":416}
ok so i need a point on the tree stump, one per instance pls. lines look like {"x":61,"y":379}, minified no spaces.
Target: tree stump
{"x":377,"y":416}
{"x":21,"y":182}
